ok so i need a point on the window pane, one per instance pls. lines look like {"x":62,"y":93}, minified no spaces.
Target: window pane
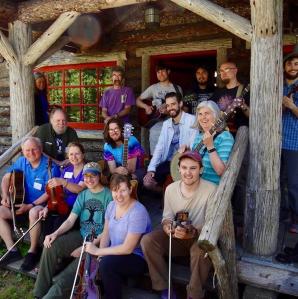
{"x":89,"y":95}
{"x":72,"y":95}
{"x":90,"y":114}
{"x":105,"y":75}
{"x":55,"y":96}
{"x":89,"y":77}
{"x":73,"y":114}
{"x":72,"y":77}
{"x":55,"y":78}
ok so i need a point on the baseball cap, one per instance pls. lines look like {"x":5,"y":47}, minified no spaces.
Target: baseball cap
{"x":92,"y":167}
{"x":194,"y":155}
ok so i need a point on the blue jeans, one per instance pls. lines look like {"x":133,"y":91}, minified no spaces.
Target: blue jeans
{"x":289,"y":163}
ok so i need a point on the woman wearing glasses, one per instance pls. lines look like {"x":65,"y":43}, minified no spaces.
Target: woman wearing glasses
{"x":114,"y":148}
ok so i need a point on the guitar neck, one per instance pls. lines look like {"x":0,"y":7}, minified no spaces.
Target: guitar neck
{"x":125,"y":153}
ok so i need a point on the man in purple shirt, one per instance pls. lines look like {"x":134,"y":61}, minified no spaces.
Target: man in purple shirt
{"x":117,"y":100}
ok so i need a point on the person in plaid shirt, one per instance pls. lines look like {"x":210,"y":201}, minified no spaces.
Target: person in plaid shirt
{"x":289,"y":160}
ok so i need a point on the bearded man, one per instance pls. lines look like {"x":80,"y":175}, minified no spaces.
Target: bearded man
{"x":176,"y":131}
{"x":289,"y":161}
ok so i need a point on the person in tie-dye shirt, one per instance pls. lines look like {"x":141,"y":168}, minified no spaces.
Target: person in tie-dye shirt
{"x":113,"y":151}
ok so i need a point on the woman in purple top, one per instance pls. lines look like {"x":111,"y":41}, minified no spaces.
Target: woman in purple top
{"x":72,"y":181}
{"x":126,"y":221}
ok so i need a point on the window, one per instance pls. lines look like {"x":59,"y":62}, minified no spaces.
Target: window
{"x":78,"y":89}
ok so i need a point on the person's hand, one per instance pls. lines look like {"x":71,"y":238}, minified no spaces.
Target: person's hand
{"x":208,"y":140}
{"x":184,"y":233}
{"x":148,"y":109}
{"x":22,"y":208}
{"x":91,"y":248}
{"x":5,"y":201}
{"x":49,"y":239}
{"x":182,"y":149}
{"x":121,"y":170}
{"x":168,"y":228}
{"x":76,"y":252}
{"x":162,"y":109}
{"x":43,"y":213}
{"x":107,"y":119}
{"x":288,"y":102}
{"x":54,"y":182}
{"x":149,"y":178}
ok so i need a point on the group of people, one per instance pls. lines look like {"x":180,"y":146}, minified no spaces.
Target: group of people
{"x":124,"y":240}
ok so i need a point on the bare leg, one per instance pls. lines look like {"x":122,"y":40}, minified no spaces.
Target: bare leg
{"x":35,"y":232}
{"x":5,"y":229}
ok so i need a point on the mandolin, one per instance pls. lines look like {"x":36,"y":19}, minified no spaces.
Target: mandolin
{"x":218,"y":126}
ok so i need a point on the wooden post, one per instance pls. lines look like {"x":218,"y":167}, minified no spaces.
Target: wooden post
{"x":21,"y":82}
{"x":263,"y":195}
{"x":221,"y":57}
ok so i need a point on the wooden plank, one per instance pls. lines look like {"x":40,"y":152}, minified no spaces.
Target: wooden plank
{"x":220,"y":16}
{"x":268,"y":276}
{"x":212,"y":44}
{"x":37,"y":11}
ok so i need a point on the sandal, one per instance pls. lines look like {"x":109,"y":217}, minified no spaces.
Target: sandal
{"x":30,"y":261}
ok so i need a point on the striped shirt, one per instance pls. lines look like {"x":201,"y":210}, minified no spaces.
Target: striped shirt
{"x":290,"y":121}
{"x":223,"y":144}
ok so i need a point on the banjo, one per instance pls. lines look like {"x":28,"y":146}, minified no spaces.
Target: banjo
{"x":237,"y":102}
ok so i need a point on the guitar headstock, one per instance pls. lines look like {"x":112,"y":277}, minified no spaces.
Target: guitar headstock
{"x":127,"y":130}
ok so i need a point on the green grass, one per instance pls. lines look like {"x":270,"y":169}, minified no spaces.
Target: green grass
{"x":15,"y":285}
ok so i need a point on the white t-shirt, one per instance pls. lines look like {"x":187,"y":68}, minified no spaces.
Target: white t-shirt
{"x":158,"y":92}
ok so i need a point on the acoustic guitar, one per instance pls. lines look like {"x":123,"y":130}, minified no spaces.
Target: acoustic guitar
{"x":16,"y":197}
{"x":218,"y":126}
{"x":127,"y":132}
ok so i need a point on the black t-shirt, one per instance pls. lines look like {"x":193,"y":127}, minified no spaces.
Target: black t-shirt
{"x":196,"y":96}
{"x":224,"y":97}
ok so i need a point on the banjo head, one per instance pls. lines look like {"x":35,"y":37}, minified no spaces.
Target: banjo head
{"x":175,"y":168}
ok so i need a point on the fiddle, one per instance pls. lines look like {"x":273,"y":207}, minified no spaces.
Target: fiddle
{"x":87,"y":270}
{"x":56,"y":202}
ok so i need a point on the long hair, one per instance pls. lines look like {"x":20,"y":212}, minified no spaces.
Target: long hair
{"x":106,"y":134}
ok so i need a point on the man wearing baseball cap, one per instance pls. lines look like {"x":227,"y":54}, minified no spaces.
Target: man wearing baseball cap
{"x":188,"y":196}
{"x":89,"y":207}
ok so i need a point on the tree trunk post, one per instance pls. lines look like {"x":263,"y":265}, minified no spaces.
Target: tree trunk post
{"x":263,"y":194}
{"x":21,"y":82}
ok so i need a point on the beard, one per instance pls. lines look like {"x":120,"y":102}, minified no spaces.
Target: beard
{"x":117,"y":82}
{"x":290,"y":77}
{"x":226,"y":81}
{"x":202,"y":81}
{"x":172,"y":114}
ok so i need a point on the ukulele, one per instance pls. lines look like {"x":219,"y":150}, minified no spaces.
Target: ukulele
{"x":218,"y":126}
{"x":56,"y":202}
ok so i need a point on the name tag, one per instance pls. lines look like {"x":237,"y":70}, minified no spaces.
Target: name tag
{"x":37,"y":186}
{"x":68,"y":175}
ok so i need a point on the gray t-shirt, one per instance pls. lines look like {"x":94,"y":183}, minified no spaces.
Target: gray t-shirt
{"x":196,"y":205}
{"x":158,"y":92}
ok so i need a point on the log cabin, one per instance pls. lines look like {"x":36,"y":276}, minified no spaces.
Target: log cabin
{"x":76,"y":42}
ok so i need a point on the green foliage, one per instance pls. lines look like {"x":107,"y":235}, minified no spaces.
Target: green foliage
{"x":72,"y":95}
{"x":55,"y":78}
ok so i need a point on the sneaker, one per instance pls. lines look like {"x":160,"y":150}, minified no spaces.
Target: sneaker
{"x":164,"y":294}
{"x":11,"y":257}
{"x":31,"y":259}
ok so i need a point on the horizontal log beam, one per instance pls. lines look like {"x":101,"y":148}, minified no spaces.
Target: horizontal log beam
{"x":49,"y":37}
{"x":6,"y":49}
{"x":42,"y":10}
{"x":268,"y":275}
{"x":219,"y":16}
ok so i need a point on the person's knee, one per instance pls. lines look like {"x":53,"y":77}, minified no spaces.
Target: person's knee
{"x":4,"y":212}
{"x":34,"y":213}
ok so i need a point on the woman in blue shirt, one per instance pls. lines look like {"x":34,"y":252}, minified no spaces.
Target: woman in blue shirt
{"x":126,"y":221}
{"x":217,"y":147}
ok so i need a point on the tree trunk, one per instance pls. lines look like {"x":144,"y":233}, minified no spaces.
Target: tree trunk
{"x":21,"y":83}
{"x":263,"y":194}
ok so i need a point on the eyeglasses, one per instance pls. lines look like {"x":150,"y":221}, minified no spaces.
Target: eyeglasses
{"x":226,"y":70}
{"x":114,"y":130}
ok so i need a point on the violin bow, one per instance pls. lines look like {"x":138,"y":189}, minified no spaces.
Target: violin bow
{"x":24,"y":234}
{"x":78,"y":268}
